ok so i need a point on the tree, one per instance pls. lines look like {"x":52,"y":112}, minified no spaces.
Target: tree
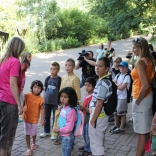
{"x":123,"y":16}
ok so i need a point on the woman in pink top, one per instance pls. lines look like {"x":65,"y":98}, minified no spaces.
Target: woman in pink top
{"x":67,"y":119}
{"x":10,"y":105}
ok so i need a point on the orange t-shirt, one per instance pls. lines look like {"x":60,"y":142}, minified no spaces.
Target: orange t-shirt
{"x":136,"y":79}
{"x":31,"y":109}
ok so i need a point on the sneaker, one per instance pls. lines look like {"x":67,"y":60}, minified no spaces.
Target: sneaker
{"x":81,"y":148}
{"x":42,"y":135}
{"x":117,"y":130}
{"x":85,"y":153}
{"x":57,"y":142}
{"x":113,"y":128}
{"x":53,"y":138}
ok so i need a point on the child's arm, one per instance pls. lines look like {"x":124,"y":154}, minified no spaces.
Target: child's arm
{"x":125,"y":83}
{"x":97,"y":111}
{"x":42,"y":115}
{"x":122,"y":86}
{"x":70,"y":123}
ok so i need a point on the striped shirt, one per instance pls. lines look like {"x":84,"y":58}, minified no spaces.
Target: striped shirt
{"x":102,"y":91}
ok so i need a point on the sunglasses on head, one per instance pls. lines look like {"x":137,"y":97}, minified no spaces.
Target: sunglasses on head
{"x":136,"y":40}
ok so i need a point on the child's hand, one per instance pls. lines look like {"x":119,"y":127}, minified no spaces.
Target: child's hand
{"x":56,"y":130}
{"x":42,"y":122}
{"x":83,"y":107}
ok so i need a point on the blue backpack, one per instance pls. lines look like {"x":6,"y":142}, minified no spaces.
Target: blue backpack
{"x":78,"y":128}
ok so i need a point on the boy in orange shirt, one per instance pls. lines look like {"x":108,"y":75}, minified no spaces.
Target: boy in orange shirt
{"x":33,"y":107}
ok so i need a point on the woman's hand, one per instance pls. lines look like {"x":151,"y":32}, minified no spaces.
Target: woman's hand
{"x":42,"y":122}
{"x":153,"y":129}
{"x":20,"y":110}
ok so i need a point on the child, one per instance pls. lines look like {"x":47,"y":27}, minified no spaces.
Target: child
{"x":89,"y":87}
{"x":71,"y":80}
{"x":122,"y":82}
{"x":25,"y":64}
{"x":98,"y":119}
{"x":52,"y":87}
{"x":67,"y":119}
{"x":33,"y":107}
{"x":100,"y":51}
{"x":115,"y":69}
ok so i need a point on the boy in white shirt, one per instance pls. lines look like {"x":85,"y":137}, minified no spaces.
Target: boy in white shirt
{"x":122,"y":82}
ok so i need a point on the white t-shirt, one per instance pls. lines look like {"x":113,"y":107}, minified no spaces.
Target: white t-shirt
{"x":122,"y":94}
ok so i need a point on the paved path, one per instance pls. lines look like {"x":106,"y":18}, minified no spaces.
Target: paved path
{"x":116,"y":144}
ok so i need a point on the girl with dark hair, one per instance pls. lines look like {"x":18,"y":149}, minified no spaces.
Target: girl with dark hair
{"x":25,"y":64}
{"x":33,"y":107}
{"x":110,"y":53}
{"x":67,"y":119}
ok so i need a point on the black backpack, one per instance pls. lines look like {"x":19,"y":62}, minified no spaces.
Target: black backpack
{"x":46,"y":82}
{"x":129,"y":91}
{"x":111,"y":104}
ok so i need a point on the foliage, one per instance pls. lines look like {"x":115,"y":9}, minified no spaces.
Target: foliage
{"x":76,"y":24}
{"x":125,"y":16}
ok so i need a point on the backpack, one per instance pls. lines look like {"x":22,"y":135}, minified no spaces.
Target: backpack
{"x":78,"y":129}
{"x":47,"y":79}
{"x":129,"y":91}
{"x":111,"y":104}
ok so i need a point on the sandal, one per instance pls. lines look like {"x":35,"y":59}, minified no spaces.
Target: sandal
{"x":118,"y":130}
{"x":28,"y":152}
{"x":33,"y":146}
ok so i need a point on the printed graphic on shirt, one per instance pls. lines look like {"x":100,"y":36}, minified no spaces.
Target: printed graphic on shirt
{"x":51,"y":88}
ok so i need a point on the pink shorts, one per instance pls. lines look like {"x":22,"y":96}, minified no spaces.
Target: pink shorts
{"x":30,"y":129}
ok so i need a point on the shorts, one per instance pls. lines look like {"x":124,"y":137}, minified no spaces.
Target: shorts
{"x":30,"y":129}
{"x":142,"y":115}
{"x":121,"y":107}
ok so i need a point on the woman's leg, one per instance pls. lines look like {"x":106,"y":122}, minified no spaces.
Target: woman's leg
{"x":142,"y":138}
{"x":8,"y":125}
{"x":116,"y":118}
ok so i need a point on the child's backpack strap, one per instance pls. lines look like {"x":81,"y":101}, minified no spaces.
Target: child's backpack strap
{"x":78,"y":130}
{"x":59,"y":82}
{"x":111,"y":104}
{"x":46,"y":82}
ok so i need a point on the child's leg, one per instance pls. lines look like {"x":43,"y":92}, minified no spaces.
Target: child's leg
{"x":123,"y":121}
{"x":116,"y":118}
{"x":27,"y":137}
{"x":54,"y":108}
{"x":34,"y":139}
{"x":87,"y":140}
{"x":67,"y":144}
{"x":47,"y":116}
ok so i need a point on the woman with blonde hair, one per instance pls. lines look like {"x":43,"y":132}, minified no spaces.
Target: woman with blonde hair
{"x":142,"y":76}
{"x":10,"y":105}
